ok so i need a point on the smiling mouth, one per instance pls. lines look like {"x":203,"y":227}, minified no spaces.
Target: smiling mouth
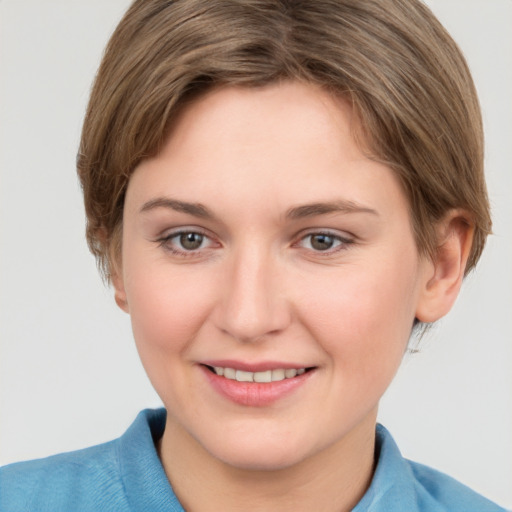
{"x":275,"y":375}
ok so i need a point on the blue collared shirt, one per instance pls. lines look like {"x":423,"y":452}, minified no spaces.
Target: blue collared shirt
{"x":126,"y":475}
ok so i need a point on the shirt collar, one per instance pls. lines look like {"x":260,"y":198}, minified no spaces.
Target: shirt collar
{"x":144,"y":479}
{"x":147,"y":487}
{"x":392,"y":486}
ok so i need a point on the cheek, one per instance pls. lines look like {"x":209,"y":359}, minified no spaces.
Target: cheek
{"x":167,"y":307}
{"x":363,"y":317}
{"x":167,"y":310}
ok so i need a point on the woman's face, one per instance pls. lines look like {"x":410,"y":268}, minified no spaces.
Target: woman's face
{"x":262,"y":242}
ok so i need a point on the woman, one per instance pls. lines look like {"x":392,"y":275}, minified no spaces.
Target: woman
{"x":278,"y":203}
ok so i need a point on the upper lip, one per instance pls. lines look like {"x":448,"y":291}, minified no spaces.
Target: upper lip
{"x":260,"y":366}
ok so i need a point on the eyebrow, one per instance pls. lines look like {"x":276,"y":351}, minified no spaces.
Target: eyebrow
{"x":294,"y":213}
{"x":195,"y":209}
{"x":340,"y":206}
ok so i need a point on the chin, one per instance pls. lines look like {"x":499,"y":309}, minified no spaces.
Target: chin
{"x":260,"y":460}
{"x":259,"y":455}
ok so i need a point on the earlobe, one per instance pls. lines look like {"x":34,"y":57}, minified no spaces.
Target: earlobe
{"x":119,"y":292}
{"x":443,"y":281}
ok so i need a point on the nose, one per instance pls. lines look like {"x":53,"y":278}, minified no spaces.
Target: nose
{"x":253,"y":303}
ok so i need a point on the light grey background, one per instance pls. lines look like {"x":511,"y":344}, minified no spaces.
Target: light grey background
{"x":69,"y":372}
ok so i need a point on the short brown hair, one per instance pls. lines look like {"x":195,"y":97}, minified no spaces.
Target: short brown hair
{"x":407,"y":79}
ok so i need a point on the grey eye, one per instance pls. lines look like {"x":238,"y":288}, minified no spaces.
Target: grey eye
{"x":321,"y":242}
{"x":191,"y":241}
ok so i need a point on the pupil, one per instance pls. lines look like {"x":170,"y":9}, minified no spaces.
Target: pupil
{"x":322,"y":242}
{"x":191,"y":241}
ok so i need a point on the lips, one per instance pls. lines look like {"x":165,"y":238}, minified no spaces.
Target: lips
{"x":255,"y":385}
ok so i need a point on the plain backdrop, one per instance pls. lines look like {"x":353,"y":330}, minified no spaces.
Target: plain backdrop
{"x":69,"y":372}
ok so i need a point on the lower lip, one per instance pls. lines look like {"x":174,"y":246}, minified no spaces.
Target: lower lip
{"x":255,"y":394}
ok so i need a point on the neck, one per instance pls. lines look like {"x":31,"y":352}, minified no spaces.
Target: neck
{"x":333,"y":480}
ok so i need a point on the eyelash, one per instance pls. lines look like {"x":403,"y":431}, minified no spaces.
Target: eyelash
{"x":165,"y":242}
{"x":341,"y":242}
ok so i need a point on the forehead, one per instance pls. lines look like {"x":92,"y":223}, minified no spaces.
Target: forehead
{"x":289,"y":143}
{"x":288,"y":111}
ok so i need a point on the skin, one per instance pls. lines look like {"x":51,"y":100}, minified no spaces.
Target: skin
{"x":259,"y":289}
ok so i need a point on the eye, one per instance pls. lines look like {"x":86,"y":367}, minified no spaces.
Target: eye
{"x":186,"y":242}
{"x":323,"y":242}
{"x":190,"y":241}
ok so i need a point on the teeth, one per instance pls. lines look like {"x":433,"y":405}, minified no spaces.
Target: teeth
{"x":277,"y":375}
{"x":263,"y":376}
{"x":229,"y":373}
{"x":267,"y":376}
{"x":242,"y":376}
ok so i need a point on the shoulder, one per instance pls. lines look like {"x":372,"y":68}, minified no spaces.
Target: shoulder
{"x":435,"y":487}
{"x":401,"y":485}
{"x":69,"y":481}
{"x":121,"y":475}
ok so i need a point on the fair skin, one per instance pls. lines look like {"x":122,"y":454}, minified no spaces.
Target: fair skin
{"x":261,"y":238}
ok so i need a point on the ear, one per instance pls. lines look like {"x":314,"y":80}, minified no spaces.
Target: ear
{"x":117,"y":280}
{"x":115,"y":266}
{"x":445,"y":273}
